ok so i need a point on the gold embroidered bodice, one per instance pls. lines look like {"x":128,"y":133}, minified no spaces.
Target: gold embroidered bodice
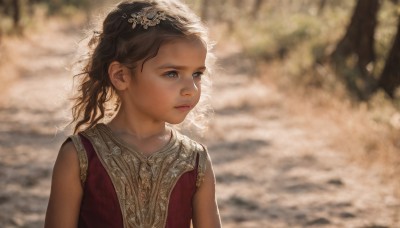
{"x":143,"y":184}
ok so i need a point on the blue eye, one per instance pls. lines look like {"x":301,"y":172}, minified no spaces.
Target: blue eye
{"x":171,"y":74}
{"x":197,"y":74}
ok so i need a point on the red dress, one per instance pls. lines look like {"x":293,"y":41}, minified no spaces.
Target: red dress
{"x":122,"y":188}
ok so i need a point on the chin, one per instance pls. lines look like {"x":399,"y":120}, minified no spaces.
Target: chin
{"x":175,"y":121}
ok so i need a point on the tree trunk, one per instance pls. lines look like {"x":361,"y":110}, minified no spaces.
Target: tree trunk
{"x":390,"y":77}
{"x":359,"y":38}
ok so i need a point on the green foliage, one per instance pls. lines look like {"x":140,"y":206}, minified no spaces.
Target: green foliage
{"x":279,"y":37}
{"x":279,"y":28}
{"x":299,"y":37}
{"x":302,"y":35}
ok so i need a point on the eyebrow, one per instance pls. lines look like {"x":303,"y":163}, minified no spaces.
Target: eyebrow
{"x":172,"y":66}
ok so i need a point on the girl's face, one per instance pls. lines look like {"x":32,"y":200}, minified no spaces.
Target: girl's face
{"x":169,"y":85}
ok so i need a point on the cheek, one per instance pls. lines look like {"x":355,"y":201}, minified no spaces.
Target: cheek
{"x":161,"y":94}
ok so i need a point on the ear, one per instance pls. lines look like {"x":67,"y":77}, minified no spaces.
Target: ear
{"x":119,"y":75}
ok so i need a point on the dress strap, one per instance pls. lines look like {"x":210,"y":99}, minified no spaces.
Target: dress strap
{"x":202,"y":165}
{"x":82,"y":156}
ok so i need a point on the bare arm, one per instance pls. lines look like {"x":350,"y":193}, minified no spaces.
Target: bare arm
{"x":66,"y":190}
{"x":206,"y":213}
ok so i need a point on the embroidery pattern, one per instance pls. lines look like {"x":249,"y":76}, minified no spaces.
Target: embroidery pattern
{"x":82,"y":157}
{"x":144,"y":184}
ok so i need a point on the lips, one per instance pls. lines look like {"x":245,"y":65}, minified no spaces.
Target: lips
{"x":184,"y":107}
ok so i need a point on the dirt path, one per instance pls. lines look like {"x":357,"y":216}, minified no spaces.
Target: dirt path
{"x":274,"y":168}
{"x":31,"y":113}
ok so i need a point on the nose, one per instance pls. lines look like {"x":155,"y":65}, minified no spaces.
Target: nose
{"x":189,"y":87}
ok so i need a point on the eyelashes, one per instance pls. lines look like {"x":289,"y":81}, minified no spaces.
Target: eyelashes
{"x":198,"y":74}
{"x":171,"y":74}
{"x":175,"y":74}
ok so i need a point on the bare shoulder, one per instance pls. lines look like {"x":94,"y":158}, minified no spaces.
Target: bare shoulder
{"x":67,"y":164}
{"x":66,"y":189}
{"x":67,"y":160}
{"x":206,"y":212}
{"x":67,"y":153}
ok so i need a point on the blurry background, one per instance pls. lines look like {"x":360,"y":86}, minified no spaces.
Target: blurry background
{"x":306,"y":97}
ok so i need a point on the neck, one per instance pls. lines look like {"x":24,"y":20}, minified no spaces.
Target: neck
{"x":126,"y":124}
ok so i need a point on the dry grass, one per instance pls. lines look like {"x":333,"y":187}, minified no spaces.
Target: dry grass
{"x":368,"y":132}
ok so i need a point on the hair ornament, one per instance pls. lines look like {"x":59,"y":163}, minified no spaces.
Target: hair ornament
{"x":146,"y":17}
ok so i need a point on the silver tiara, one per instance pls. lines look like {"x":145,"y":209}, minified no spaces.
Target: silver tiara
{"x":146,"y":17}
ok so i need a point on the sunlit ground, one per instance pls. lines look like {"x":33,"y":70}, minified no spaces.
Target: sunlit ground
{"x":283,"y":156}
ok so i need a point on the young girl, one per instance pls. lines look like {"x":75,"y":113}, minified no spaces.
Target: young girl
{"x":135,"y":170}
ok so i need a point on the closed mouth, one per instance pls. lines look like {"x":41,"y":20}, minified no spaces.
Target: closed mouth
{"x":183,"y":107}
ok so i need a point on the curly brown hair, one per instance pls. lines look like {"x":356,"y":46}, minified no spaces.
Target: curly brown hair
{"x":118,"y":41}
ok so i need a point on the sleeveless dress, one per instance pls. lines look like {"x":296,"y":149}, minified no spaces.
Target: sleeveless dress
{"x":122,"y":188}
